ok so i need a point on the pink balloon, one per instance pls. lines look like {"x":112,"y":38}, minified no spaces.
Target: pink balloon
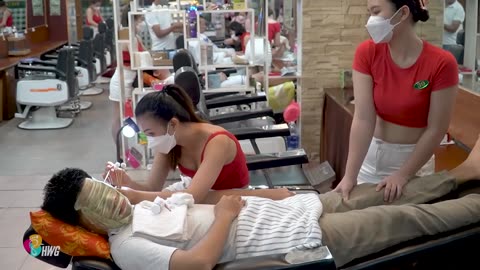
{"x":292,"y":112}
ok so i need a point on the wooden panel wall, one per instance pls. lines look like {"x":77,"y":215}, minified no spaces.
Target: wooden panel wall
{"x":331,"y":31}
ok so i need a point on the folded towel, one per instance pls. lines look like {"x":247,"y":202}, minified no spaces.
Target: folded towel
{"x":153,"y":223}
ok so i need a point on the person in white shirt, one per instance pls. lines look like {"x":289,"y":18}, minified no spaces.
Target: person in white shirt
{"x":161,"y":27}
{"x":452,"y":21}
{"x":178,"y":234}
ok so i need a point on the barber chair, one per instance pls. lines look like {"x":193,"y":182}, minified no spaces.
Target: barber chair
{"x":110,"y":38}
{"x":184,"y":58}
{"x":42,"y":92}
{"x":85,"y":64}
{"x":84,"y":105}
{"x":457,"y":249}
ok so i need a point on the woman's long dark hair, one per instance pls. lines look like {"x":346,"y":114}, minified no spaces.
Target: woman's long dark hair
{"x":171,"y":102}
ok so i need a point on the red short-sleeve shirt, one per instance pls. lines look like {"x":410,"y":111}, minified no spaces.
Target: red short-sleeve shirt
{"x":402,"y":95}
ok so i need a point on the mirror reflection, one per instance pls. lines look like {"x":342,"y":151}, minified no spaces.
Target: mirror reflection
{"x":460,"y":37}
{"x":13,"y":15}
{"x":234,"y":48}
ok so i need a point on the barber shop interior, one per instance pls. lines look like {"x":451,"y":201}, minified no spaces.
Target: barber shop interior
{"x":239,"y":134}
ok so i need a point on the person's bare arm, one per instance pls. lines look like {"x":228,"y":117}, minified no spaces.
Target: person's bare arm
{"x":155,"y":181}
{"x":90,"y":17}
{"x":206,"y":175}
{"x":6,"y":14}
{"x":159,"y":32}
{"x":158,"y":173}
{"x":207,"y":252}
{"x":213,"y":197}
{"x":441,"y":107}
{"x":363,"y":124}
{"x":453,"y":27}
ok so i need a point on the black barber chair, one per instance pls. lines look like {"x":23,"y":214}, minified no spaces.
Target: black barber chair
{"x":183,"y":58}
{"x":85,"y":60}
{"x":457,"y":249}
{"x":110,"y":38}
{"x":46,"y":88}
{"x":99,"y":47}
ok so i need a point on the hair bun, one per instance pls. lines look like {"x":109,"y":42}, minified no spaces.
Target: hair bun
{"x":423,"y":15}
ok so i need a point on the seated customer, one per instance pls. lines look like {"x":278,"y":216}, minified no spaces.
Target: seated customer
{"x":237,"y":228}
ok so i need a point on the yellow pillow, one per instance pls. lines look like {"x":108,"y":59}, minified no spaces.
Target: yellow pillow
{"x":72,"y":240}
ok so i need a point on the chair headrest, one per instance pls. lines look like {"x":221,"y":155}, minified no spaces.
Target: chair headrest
{"x":187,"y":79}
{"x":109,"y":23}
{"x":59,"y":259}
{"x":87,"y":33}
{"x":179,"y":42}
{"x":102,"y":28}
{"x":183,"y":58}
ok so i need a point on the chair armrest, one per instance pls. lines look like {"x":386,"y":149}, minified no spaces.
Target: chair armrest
{"x":239,"y":116}
{"x":93,"y":263}
{"x":249,"y":133}
{"x":49,"y":56}
{"x":233,"y":100}
{"x":44,"y":63}
{"x":57,"y":72}
{"x":209,"y":96}
{"x":287,"y":158}
{"x":322,"y":261}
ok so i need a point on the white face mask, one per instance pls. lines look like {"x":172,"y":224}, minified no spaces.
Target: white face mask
{"x":380,"y":29}
{"x":104,"y":207}
{"x":163,"y":144}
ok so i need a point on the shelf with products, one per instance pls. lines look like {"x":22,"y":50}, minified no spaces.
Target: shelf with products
{"x":211,"y":58}
{"x":154,"y":57}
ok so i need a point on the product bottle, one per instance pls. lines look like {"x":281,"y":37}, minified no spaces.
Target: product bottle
{"x":128,"y":108}
{"x":292,"y":140}
{"x":192,"y":17}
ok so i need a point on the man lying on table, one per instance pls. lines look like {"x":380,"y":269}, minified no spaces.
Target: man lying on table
{"x":177,"y":234}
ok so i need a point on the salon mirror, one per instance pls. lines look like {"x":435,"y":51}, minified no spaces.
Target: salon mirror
{"x":465,"y":45}
{"x":284,"y":14}
{"x":18,"y":12}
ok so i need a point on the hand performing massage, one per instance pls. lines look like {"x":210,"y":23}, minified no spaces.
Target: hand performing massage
{"x":186,"y":235}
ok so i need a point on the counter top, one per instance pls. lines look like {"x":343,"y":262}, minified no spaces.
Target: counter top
{"x":36,"y":50}
{"x":342,"y":97}
{"x":447,"y":157}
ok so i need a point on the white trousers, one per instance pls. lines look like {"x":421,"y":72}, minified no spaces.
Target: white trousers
{"x":383,"y":159}
{"x":129,"y":77}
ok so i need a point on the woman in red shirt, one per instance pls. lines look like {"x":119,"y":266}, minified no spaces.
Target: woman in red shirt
{"x":239,"y":33}
{"x":209,"y":154}
{"x":7,"y":18}
{"x":274,"y":29}
{"x":404,"y":91}
{"x":94,"y":17}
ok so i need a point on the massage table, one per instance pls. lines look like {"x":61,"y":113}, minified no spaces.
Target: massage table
{"x":456,"y":249}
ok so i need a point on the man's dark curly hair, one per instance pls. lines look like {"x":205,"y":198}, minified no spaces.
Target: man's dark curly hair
{"x":60,"y":194}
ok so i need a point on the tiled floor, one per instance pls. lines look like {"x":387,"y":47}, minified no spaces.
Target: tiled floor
{"x":29,"y":158}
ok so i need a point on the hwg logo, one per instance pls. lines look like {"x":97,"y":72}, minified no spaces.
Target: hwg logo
{"x":33,"y":245}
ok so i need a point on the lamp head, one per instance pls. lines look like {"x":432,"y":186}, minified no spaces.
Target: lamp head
{"x":130,"y":128}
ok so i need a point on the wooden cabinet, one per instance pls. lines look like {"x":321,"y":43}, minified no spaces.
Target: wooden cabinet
{"x":337,"y":120}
